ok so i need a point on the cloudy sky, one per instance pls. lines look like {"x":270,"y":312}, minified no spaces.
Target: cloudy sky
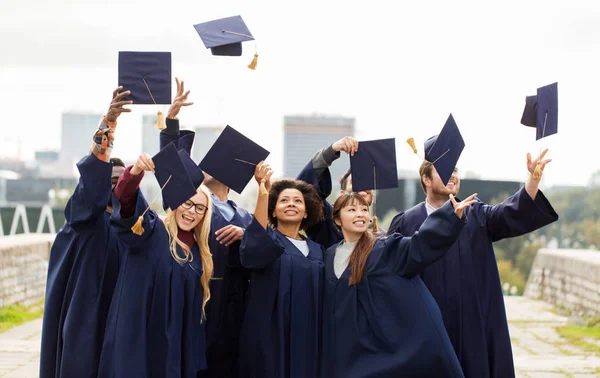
{"x":398,"y":67}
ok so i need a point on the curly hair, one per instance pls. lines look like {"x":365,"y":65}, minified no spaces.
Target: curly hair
{"x":312,"y":201}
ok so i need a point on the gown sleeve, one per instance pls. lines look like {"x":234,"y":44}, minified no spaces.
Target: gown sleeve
{"x":258,"y":248}
{"x":408,"y":256}
{"x":515,"y":216}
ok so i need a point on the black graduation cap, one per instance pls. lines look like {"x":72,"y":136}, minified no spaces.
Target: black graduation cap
{"x":147,"y":75}
{"x":444,"y":150}
{"x":193,"y":170}
{"x":232,"y":159}
{"x":174,"y":177}
{"x":541,"y":111}
{"x":373,"y":166}
{"x":224,"y":36}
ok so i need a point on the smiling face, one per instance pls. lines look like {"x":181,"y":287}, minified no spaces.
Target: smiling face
{"x":354,"y":219}
{"x":290,"y":207}
{"x":191,"y":212}
{"x":437,"y":189}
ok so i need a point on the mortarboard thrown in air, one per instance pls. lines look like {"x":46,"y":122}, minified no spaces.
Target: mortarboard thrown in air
{"x":443,"y":150}
{"x":178,"y":177}
{"x":232,"y":159}
{"x":541,"y":112}
{"x":224,"y":37}
{"x":148,"y":76}
{"x":374,"y":167}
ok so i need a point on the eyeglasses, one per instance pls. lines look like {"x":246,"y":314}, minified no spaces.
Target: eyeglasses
{"x":198,"y":208}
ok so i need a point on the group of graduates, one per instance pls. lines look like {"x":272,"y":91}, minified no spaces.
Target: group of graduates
{"x":297,"y":288}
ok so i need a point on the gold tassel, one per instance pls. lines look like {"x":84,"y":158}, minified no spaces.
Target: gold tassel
{"x":375,"y":225}
{"x":252,"y":64}
{"x":160,"y":123}
{"x":263,"y":188}
{"x":411,"y":143}
{"x":537,"y":173}
{"x":137,"y":227}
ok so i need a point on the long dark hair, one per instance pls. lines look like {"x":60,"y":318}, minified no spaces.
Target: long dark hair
{"x":364,"y":246}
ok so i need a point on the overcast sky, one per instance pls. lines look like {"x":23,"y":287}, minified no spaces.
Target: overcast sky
{"x":398,"y":69}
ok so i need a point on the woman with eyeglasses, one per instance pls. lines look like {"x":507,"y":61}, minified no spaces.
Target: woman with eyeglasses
{"x":156,"y":322}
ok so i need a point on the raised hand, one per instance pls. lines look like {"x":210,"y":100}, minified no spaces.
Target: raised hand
{"x":179,"y":100}
{"x":143,"y":163}
{"x":264,"y":172}
{"x":459,"y":207}
{"x":116,"y":106}
{"x":536,"y":167}
{"x":347,"y":144}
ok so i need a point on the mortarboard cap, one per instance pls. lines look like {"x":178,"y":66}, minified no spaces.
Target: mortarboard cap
{"x":173,"y":177}
{"x":224,"y":36}
{"x":541,"y":111}
{"x":232,"y":159}
{"x":373,"y":166}
{"x":444,"y":150}
{"x":193,"y":170}
{"x":147,"y":75}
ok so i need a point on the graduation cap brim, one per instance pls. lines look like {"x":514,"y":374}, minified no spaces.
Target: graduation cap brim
{"x":373,"y":166}
{"x":224,"y":36}
{"x":193,"y":170}
{"x":232,"y":159}
{"x":446,"y":150}
{"x":179,"y":188}
{"x":147,"y":75}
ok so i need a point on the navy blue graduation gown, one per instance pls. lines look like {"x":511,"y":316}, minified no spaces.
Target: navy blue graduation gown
{"x":226,"y":307}
{"x":466,"y":283}
{"x":155,"y":326}
{"x":389,"y":324}
{"x":325,"y":232}
{"x":281,"y":332}
{"x":82,"y":272}
{"x":225,"y":310}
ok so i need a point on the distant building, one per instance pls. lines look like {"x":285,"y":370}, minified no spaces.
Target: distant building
{"x":76,"y":136}
{"x":305,"y":135}
{"x":150,"y":135}
{"x":204,"y":139}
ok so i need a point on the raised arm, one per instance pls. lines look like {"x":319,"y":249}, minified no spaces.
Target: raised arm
{"x":408,"y":256}
{"x":92,"y":193}
{"x":258,"y":248}
{"x":523,"y":212}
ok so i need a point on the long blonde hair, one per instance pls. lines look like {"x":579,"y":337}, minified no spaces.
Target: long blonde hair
{"x":201,"y":234}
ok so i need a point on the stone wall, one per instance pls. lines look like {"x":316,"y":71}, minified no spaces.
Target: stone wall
{"x":568,"y":278}
{"x":23,"y":268}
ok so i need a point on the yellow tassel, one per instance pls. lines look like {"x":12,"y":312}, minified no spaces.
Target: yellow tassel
{"x":137,"y":227}
{"x":263,"y":188}
{"x":537,"y":173}
{"x":160,"y":123}
{"x":252,"y":64}
{"x":375,"y":225}
{"x":411,"y":143}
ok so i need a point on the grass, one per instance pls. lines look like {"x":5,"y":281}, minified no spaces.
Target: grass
{"x":15,"y":315}
{"x":566,"y":373}
{"x":576,"y":336}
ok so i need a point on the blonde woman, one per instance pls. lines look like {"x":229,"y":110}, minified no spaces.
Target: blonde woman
{"x":156,"y":321}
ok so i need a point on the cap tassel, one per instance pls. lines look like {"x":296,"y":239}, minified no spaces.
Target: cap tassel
{"x":137,"y":227}
{"x":375,"y":224}
{"x":160,"y":122}
{"x":252,"y":64}
{"x":537,"y":173}
{"x":263,"y":188}
{"x":411,"y":143}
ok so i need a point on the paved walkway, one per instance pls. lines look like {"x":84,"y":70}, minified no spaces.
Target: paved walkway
{"x":539,"y":351}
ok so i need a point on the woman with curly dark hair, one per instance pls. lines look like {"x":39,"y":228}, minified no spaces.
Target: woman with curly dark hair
{"x":280,"y":337}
